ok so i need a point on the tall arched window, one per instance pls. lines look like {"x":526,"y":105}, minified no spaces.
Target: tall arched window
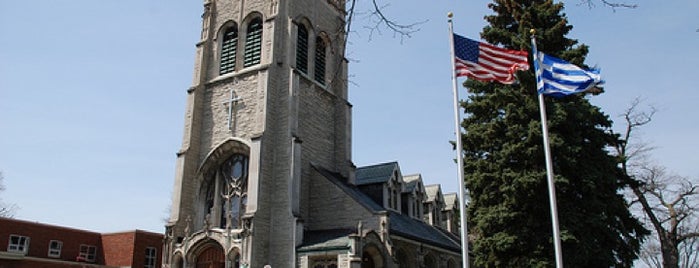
{"x":302,"y":49}
{"x":235,"y":179}
{"x":253,"y":43}
{"x":319,"y":72}
{"x":225,"y":197}
{"x":229,"y":46}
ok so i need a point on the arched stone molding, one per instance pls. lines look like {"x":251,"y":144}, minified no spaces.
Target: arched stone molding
{"x":209,"y":204}
{"x":374,"y":253}
{"x":221,"y":152}
{"x":198,"y":247}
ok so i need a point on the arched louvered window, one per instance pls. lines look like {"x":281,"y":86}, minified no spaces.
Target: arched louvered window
{"x":319,"y":72}
{"x":229,"y":47}
{"x":253,"y":43}
{"x":302,"y":49}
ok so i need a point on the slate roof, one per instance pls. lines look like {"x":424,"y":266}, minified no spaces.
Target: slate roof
{"x":350,"y":190}
{"x":379,"y":173}
{"x":418,"y":230}
{"x":400,"y":225}
{"x":326,"y":240}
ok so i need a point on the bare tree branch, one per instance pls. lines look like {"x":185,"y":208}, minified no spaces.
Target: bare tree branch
{"x":613,"y":5}
{"x":668,"y":202}
{"x":6,"y":210}
{"x":379,"y":20}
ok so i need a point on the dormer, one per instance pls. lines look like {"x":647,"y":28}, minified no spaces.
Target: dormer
{"x":450,"y":212}
{"x":413,"y":196}
{"x":383,"y":183}
{"x":433,"y":205}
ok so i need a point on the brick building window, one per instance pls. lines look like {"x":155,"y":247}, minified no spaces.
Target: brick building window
{"x":151,"y":254}
{"x":18,"y":244}
{"x":87,"y":253}
{"x":55,"y":247}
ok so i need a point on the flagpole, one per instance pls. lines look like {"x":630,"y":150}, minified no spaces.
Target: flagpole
{"x":549,"y":164}
{"x":459,"y":149}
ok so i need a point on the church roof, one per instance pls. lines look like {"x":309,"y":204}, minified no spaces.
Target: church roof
{"x":326,"y":240}
{"x":350,"y":190}
{"x":418,"y":230}
{"x":379,"y":173}
{"x":400,"y":224}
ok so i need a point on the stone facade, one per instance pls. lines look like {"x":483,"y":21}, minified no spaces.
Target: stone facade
{"x":264,"y":175}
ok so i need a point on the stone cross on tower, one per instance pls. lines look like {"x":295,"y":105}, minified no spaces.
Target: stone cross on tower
{"x":232,"y":101}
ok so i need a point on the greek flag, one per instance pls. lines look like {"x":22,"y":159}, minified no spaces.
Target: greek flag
{"x":556,"y":77}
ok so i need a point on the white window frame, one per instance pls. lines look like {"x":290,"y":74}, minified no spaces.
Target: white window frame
{"x":151,"y":256}
{"x":87,"y":252}
{"x":20,"y":246}
{"x":55,"y":247}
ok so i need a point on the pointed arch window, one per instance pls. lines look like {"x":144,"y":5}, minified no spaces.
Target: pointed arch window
{"x":253,"y":43}
{"x":319,"y":72}
{"x":229,"y":46}
{"x":235,"y":175}
{"x":226,"y":196}
{"x":302,"y":49}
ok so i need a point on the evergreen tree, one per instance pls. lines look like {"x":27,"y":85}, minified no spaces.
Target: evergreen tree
{"x":509,"y":215}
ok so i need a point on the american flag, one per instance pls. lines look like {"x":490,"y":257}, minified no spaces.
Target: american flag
{"x":486,"y":62}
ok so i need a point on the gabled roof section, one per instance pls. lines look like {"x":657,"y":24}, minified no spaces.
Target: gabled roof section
{"x":451,"y":201}
{"x":351,"y":190}
{"x":411,"y":181}
{"x":434,"y":191}
{"x":380,"y":173}
{"x":400,"y":224}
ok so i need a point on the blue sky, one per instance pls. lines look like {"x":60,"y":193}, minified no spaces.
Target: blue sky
{"x":92,"y":96}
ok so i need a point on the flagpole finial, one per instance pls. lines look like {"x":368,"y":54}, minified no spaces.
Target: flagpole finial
{"x":449,"y":15}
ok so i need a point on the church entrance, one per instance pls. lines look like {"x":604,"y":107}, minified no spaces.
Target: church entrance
{"x":372,"y":258}
{"x":211,"y":257}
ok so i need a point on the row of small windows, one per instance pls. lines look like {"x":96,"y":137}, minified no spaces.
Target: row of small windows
{"x":302,"y":54}
{"x":20,"y":244}
{"x":252,"y":49}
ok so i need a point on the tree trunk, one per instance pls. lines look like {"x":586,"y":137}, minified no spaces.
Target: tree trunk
{"x":668,"y":246}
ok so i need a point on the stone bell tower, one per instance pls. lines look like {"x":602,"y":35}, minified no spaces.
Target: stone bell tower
{"x":268,"y":100}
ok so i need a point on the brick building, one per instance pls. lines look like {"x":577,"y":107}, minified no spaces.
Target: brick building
{"x":30,"y":244}
{"x":265,"y":173}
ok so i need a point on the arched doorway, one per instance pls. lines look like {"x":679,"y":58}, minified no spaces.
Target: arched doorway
{"x":211,"y":257}
{"x":372,"y":257}
{"x":177,"y":261}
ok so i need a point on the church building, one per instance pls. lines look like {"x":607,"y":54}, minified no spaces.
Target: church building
{"x":265,"y":177}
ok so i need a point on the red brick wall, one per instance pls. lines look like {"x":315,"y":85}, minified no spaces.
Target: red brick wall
{"x":144,"y":240}
{"x":113,"y":250}
{"x":118,"y":249}
{"x":129,"y":248}
{"x":40,"y":235}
